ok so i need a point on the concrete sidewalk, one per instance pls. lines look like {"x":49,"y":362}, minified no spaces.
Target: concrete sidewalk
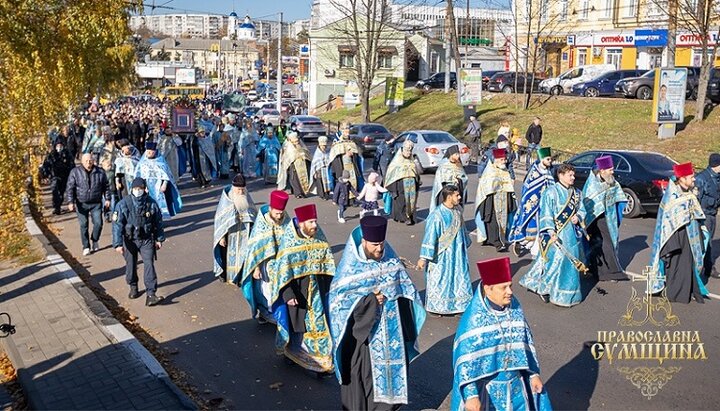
{"x":71,"y":356}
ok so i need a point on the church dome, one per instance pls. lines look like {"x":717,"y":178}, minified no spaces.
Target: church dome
{"x":247,"y":24}
{"x":233,"y":14}
{"x":246,"y":30}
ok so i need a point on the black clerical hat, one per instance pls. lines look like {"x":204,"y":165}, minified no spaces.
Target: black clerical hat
{"x":373,"y":228}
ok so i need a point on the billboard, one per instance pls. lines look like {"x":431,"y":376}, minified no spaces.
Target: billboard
{"x":185,"y":76}
{"x":470,"y":87}
{"x":394,"y":91}
{"x":669,"y":95}
{"x":352,"y":94}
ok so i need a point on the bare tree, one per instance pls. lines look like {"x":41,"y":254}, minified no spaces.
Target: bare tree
{"x":699,"y":18}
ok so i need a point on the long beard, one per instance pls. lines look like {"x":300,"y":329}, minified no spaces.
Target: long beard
{"x":240,"y":201}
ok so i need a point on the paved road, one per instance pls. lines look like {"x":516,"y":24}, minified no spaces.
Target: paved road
{"x":227,"y":355}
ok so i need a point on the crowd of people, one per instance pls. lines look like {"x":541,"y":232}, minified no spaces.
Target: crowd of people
{"x":361,"y":318}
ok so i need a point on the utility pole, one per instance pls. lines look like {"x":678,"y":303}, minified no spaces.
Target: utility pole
{"x":672,"y":30}
{"x":448,"y":14}
{"x":278,"y":90}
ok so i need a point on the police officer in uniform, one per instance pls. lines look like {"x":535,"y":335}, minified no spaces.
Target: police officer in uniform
{"x":137,"y":227}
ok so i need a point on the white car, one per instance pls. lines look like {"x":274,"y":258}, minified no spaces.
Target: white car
{"x":565,"y":82}
{"x":270,"y":116}
{"x":430,"y":147}
{"x":252,"y":95}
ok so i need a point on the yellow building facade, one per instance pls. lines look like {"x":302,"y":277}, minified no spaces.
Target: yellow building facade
{"x":629,"y":34}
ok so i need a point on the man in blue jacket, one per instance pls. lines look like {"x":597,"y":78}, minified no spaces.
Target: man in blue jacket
{"x":708,"y":192}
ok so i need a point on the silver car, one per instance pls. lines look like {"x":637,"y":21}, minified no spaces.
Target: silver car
{"x":270,"y":116}
{"x":430,"y":147}
{"x":308,"y":127}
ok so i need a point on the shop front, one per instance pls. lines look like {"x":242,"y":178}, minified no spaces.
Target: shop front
{"x":650,"y":45}
{"x":615,"y":48}
{"x":552,"y":54}
{"x":689,"y":49}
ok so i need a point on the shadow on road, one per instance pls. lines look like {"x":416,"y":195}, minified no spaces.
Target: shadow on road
{"x":629,"y":247}
{"x":431,"y":376}
{"x":566,"y":391}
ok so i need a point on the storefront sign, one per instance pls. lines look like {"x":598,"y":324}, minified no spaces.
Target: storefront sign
{"x":614,"y":39}
{"x":651,"y":38}
{"x":551,"y":39}
{"x":690,"y":39}
{"x":669,"y":95}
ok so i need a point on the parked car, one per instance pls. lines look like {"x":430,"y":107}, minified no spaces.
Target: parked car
{"x":308,"y":127}
{"x":487,"y":75}
{"x":430,"y":147}
{"x":604,"y":85}
{"x":270,"y":115}
{"x":368,"y":136}
{"x":564,"y":82}
{"x":250,"y":111}
{"x":252,"y":95}
{"x":287,"y":93}
{"x":505,"y":82}
{"x":437,"y":80}
{"x":642,"y":87}
{"x":642,"y":175}
{"x":713,"y":92}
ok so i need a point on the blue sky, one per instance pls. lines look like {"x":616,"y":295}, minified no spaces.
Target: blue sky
{"x":292,"y":9}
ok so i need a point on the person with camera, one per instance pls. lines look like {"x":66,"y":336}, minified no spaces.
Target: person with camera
{"x":138,"y":227}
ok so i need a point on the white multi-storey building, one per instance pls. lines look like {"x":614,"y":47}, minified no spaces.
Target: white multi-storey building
{"x":182,"y":25}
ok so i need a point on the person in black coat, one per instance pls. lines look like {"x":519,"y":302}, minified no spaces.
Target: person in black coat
{"x":341,"y":195}
{"x":384,"y":155}
{"x":533,"y":136}
{"x":708,"y":193}
{"x":57,"y":167}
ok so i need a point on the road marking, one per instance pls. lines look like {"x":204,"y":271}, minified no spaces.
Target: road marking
{"x":638,"y":276}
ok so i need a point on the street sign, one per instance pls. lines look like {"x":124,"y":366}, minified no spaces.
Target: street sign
{"x":305,"y":50}
{"x":394,"y":91}
{"x":470,"y":87}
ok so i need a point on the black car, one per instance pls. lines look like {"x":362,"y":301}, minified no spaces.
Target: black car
{"x":437,"y":80}
{"x":642,"y":175}
{"x":713,"y":92}
{"x":505,"y":82}
{"x":487,"y":75}
{"x":368,"y":136}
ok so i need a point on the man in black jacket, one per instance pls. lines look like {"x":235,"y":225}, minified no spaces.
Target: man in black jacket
{"x":86,"y":188}
{"x":533,"y":137}
{"x":56,"y":167}
{"x":708,"y":192}
{"x":76,"y":133}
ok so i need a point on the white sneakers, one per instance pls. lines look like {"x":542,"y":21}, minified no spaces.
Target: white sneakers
{"x":341,"y":220}
{"x":86,"y":251}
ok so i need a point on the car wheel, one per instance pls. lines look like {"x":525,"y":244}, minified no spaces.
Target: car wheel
{"x":556,"y":91}
{"x":418,"y":165}
{"x":427,"y":87}
{"x":632,"y":208}
{"x":507,"y":89}
{"x":453,"y":85}
{"x":592,"y":92}
{"x":644,"y":93}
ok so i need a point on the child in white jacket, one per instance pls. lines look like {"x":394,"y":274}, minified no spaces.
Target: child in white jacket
{"x":370,"y":194}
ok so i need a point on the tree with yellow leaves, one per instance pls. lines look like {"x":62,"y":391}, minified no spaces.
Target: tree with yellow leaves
{"x":52,"y":53}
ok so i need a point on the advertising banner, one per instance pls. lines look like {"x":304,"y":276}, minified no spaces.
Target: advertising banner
{"x":185,"y":76}
{"x":669,"y":95}
{"x":470,"y":87}
{"x":394,"y":91}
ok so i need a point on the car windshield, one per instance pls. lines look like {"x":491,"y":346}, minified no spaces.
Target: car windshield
{"x":373,"y":129}
{"x":649,"y":74}
{"x":653,"y":161}
{"x":436,"y":138}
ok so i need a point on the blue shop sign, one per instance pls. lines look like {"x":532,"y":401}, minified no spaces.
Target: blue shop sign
{"x":651,"y":38}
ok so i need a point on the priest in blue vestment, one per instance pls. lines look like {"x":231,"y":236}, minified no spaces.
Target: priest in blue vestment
{"x":161,"y":184}
{"x":680,"y":241}
{"x":523,"y":231}
{"x":604,"y":201}
{"x":444,"y":257}
{"x":375,"y":319}
{"x":320,"y":170}
{"x":270,"y":224}
{"x":450,"y":171}
{"x":233,"y":222}
{"x":268,"y":155}
{"x":301,"y":274}
{"x":494,"y":359}
{"x":555,"y":276}
{"x":345,"y":156}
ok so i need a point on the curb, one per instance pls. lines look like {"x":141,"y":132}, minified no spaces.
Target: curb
{"x":112,"y":328}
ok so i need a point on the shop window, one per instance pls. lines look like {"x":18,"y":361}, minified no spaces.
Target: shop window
{"x":582,"y":57}
{"x":614,"y":57}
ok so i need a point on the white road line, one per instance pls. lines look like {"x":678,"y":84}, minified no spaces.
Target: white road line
{"x":638,"y":276}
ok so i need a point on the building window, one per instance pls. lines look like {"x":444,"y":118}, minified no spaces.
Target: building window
{"x":585,"y":12}
{"x":347,"y":60}
{"x":582,"y":57}
{"x":614,"y":57}
{"x":544,"y":10}
{"x":656,"y":7}
{"x":385,"y":61}
{"x":608,"y":9}
{"x":631,"y":7}
{"x":563,"y":10}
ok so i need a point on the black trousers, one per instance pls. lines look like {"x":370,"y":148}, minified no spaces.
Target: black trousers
{"x":709,"y":261}
{"x":58,"y":185}
{"x":146,"y":248}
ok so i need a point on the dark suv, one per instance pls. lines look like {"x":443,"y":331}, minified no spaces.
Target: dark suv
{"x":368,"y":136}
{"x":505,"y":82}
{"x":437,"y":80}
{"x":713,"y":91}
{"x":642,"y":87}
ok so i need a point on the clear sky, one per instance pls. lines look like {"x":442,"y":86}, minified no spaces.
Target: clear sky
{"x":292,"y":9}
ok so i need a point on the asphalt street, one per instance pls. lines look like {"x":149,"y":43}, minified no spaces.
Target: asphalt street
{"x":228,"y":355}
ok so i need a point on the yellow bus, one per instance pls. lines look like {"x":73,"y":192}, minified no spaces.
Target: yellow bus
{"x":176,"y":92}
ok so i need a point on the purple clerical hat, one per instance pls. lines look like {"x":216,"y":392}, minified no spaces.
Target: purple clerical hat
{"x":604,"y":162}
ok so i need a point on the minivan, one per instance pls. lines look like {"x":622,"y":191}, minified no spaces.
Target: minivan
{"x":564,"y":82}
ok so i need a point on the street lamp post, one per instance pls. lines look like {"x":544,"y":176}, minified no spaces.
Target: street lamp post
{"x":278,"y":90}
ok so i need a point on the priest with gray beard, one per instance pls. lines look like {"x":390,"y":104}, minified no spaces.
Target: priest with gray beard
{"x":233,"y":221}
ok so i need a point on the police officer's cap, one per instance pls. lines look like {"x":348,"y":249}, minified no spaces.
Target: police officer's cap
{"x":138,"y":182}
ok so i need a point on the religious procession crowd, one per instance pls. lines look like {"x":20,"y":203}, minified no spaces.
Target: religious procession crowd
{"x":361,"y":318}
